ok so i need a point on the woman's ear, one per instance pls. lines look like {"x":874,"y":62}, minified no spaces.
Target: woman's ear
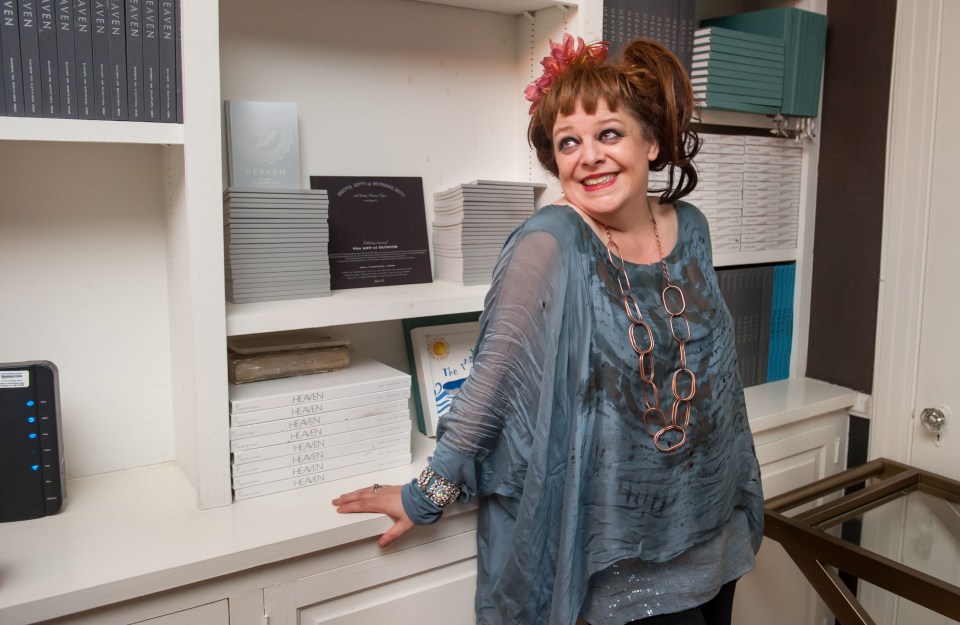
{"x":653,"y":152}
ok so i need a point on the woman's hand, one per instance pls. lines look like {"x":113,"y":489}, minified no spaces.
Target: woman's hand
{"x":383,"y":499}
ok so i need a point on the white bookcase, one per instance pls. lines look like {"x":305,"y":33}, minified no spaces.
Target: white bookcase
{"x":111,"y":250}
{"x":111,"y":235}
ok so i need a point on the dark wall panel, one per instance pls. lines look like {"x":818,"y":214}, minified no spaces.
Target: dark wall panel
{"x":849,"y":221}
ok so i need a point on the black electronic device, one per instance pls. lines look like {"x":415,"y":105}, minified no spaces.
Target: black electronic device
{"x":32,"y":475}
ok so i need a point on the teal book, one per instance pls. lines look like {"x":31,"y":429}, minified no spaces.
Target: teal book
{"x":735,"y":103}
{"x":776,"y":47}
{"x":739,"y":59}
{"x":762,"y":88}
{"x":717,"y":47}
{"x":708,"y":94}
{"x":740,"y":35}
{"x":736,"y":74}
{"x":781,"y":322}
{"x":715,"y":87}
{"x":805,"y":36}
{"x":716,"y":63}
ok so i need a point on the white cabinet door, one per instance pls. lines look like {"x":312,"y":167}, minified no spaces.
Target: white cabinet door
{"x":776,"y":591}
{"x":443,"y":595}
{"x":215,"y":613}
{"x":415,"y":585}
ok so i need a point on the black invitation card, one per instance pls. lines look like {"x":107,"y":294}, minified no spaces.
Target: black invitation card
{"x":378,"y":231}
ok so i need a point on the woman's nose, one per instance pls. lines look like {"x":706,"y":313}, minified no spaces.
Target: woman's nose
{"x":592,"y":152}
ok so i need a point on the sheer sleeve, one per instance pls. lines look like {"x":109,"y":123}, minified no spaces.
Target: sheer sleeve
{"x":518,"y":331}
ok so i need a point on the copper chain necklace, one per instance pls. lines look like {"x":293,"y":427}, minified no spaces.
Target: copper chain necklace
{"x":654,"y":420}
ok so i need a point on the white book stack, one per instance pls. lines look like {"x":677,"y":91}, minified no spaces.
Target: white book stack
{"x":771,"y":193}
{"x":472,"y":221}
{"x":719,"y":191}
{"x":294,"y":432}
{"x":275,"y":244}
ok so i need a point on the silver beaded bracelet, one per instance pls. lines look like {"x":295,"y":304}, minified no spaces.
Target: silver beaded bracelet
{"x":437,"y":488}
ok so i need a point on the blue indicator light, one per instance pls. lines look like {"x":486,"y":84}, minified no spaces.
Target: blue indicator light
{"x":31,"y":420}
{"x":35,"y":467}
{"x":30,"y":402}
{"x":33,"y":435}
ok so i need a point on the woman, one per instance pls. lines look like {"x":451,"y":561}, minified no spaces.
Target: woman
{"x":603,"y":425}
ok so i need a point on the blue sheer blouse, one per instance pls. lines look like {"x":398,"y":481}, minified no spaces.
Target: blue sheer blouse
{"x":547,"y":428}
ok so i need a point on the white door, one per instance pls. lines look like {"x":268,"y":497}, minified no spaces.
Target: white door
{"x":930,"y":526}
{"x":921,"y":345}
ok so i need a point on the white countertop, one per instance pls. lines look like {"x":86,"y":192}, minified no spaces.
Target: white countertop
{"x":121,"y":535}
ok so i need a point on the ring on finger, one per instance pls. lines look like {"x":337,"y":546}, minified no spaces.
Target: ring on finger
{"x":376,"y":487}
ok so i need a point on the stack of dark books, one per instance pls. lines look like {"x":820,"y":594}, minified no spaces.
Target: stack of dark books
{"x":91,"y":59}
{"x":671,"y":22}
{"x":760,"y":300}
{"x":471,"y":223}
{"x":275,"y":243}
{"x":301,"y":431}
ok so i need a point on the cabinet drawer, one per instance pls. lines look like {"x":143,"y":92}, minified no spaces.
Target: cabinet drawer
{"x":443,"y":595}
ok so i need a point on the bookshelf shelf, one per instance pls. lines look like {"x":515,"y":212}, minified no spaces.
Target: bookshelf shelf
{"x":729,"y":259}
{"x":399,"y":302}
{"x":89,"y":131}
{"x":511,"y":7}
{"x":356,"y":306}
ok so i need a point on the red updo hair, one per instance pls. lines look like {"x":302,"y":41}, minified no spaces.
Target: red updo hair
{"x":652,"y":85}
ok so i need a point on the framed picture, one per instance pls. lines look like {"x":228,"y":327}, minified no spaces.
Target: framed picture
{"x":443,"y":358}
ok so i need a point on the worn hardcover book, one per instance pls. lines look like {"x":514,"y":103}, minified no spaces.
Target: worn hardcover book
{"x":49,"y":71}
{"x":117,"y":37}
{"x":304,"y":338}
{"x":100,"y":36}
{"x":30,"y":58}
{"x":167,"y":32}
{"x":364,"y":375}
{"x":151,"y":60}
{"x":283,"y":364}
{"x":320,"y":478}
{"x":10,"y":57}
{"x":83,"y":45}
{"x":134,"y":43}
{"x":378,"y":231}
{"x":263,"y":144}
{"x":67,"y":58}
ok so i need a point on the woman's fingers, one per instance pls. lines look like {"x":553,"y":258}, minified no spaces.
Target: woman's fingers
{"x":398,"y":529}
{"x":377,"y":498}
{"x":384,"y":499}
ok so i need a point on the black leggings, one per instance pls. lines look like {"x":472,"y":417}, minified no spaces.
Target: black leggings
{"x":717,"y":611}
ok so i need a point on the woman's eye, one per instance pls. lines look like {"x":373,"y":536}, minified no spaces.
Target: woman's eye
{"x":566,"y":145}
{"x":610,"y":135}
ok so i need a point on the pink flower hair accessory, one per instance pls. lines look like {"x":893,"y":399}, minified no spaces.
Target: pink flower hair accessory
{"x":562,"y":56}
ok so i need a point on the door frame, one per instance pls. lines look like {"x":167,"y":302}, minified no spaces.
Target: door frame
{"x":906,"y":214}
{"x":906,"y":210}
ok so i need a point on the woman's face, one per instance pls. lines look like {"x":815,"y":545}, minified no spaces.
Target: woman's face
{"x":603,"y":161}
